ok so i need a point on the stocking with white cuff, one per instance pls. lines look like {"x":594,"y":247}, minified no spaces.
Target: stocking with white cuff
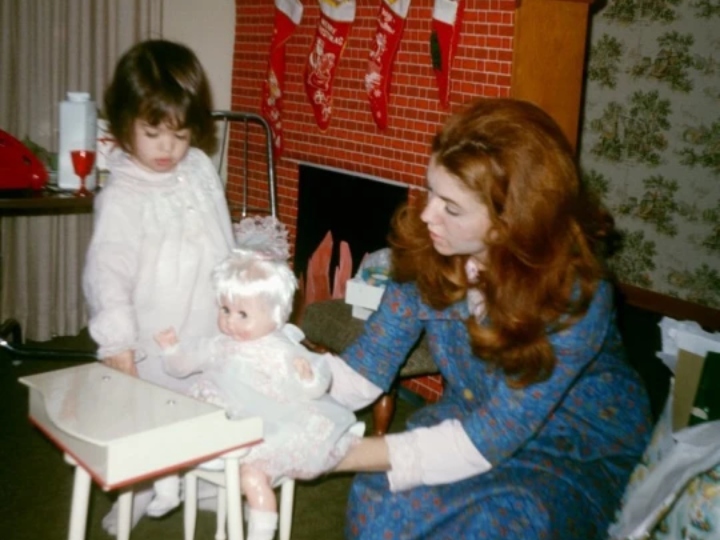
{"x":390,"y":26}
{"x":288,"y":14}
{"x":447,"y":17}
{"x":333,"y":29}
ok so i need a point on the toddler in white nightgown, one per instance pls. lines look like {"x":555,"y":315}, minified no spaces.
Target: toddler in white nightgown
{"x":257,"y":366}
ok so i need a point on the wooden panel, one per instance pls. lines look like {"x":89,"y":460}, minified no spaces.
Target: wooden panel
{"x":549,"y":57}
{"x":670,"y":306}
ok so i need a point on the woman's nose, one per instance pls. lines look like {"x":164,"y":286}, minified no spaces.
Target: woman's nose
{"x":429,"y":214}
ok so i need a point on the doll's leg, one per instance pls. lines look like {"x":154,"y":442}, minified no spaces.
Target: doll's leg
{"x":262,"y":514}
{"x":167,"y":496}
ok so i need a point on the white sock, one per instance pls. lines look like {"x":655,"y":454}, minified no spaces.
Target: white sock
{"x":141,"y":500}
{"x":261,"y":525}
{"x":167,"y":496}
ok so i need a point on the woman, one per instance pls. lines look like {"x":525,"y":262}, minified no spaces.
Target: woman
{"x":541,"y":420}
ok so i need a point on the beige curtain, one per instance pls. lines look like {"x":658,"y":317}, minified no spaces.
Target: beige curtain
{"x":47,"y":48}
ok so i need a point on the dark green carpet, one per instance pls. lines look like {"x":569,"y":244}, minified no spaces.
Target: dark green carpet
{"x":36,"y":484}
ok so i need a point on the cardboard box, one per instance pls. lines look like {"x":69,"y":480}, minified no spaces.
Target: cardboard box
{"x":363,"y":297}
{"x":693,"y":347}
{"x":687,"y":376}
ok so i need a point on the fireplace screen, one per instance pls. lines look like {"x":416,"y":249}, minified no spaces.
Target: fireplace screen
{"x":342,"y":216}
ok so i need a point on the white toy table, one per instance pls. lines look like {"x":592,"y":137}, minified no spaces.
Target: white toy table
{"x":119,"y":430}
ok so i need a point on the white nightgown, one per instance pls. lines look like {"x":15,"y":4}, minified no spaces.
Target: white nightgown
{"x":156,"y":239}
{"x":305,"y":430}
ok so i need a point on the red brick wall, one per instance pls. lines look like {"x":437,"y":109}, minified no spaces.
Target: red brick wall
{"x":482,"y":67}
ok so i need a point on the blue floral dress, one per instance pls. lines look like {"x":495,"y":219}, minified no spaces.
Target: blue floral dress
{"x":561,"y":450}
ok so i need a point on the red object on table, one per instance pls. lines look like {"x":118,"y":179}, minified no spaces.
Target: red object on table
{"x":83,"y":162}
{"x":19,"y":167}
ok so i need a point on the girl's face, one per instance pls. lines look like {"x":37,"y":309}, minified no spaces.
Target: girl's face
{"x":245,"y":319}
{"x":159,"y":148}
{"x":457,"y":221}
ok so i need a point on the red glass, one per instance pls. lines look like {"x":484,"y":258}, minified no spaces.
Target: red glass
{"x":83,"y":162}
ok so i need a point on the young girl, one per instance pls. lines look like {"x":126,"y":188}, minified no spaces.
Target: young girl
{"x":256,"y":366}
{"x":161,"y":222}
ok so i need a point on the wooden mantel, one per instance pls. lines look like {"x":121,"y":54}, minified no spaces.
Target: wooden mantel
{"x":549,"y":58}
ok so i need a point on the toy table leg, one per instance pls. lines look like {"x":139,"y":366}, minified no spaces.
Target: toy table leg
{"x":234,"y":504}
{"x":79,"y":509}
{"x":190,"y":505}
{"x":124,"y":523}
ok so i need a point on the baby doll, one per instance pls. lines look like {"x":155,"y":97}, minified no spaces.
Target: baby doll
{"x":257,"y":366}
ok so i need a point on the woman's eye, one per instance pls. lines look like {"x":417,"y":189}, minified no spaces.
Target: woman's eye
{"x":151,"y":134}
{"x":452,"y":211}
{"x":243,"y":314}
{"x":182,"y":135}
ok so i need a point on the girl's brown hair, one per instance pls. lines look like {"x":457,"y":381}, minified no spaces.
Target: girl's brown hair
{"x":541,"y":266}
{"x":160,"y":81}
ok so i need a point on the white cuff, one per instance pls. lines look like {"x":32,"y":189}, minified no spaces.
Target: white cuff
{"x":441,"y":454}
{"x":445,"y":11}
{"x":405,"y":461}
{"x":292,"y":8}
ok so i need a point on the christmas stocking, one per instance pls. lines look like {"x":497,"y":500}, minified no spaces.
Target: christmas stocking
{"x":447,"y":16}
{"x":390,"y":25}
{"x":336,"y":17}
{"x":288,"y":14}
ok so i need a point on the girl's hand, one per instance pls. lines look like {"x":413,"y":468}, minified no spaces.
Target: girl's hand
{"x":124,"y":361}
{"x":303,"y":369}
{"x":166,"y":338}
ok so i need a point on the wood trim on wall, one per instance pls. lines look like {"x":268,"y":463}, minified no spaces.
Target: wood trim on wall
{"x":549,"y":58}
{"x":670,"y":306}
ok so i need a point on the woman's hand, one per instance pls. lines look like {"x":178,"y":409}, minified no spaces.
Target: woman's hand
{"x":124,"y":361}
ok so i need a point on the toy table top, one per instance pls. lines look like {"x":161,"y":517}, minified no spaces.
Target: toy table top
{"x":122,"y":429}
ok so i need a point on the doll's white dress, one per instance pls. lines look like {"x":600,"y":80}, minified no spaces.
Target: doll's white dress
{"x":305,"y":430}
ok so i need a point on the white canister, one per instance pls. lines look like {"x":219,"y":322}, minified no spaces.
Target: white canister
{"x":78,"y":131}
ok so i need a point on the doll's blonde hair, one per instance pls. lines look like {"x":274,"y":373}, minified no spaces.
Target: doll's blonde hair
{"x":247,"y":274}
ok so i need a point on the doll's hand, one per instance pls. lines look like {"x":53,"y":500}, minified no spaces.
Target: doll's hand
{"x":166,"y":338}
{"x":124,"y":361}
{"x":303,"y":369}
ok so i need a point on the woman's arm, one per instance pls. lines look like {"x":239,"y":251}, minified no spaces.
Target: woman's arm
{"x":424,"y":456}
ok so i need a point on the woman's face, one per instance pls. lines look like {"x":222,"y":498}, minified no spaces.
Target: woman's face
{"x":458,"y":222}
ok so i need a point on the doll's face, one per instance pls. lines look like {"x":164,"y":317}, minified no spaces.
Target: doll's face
{"x":245,"y":319}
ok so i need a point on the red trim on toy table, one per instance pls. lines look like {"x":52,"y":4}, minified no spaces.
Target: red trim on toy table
{"x":136,"y":479}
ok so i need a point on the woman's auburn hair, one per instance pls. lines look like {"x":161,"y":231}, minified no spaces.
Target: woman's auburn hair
{"x":160,"y":81}
{"x":542,"y":265}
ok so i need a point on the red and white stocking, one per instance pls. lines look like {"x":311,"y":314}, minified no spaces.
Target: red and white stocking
{"x":336,"y":18}
{"x":447,"y":17}
{"x":288,"y":14}
{"x":390,"y":25}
